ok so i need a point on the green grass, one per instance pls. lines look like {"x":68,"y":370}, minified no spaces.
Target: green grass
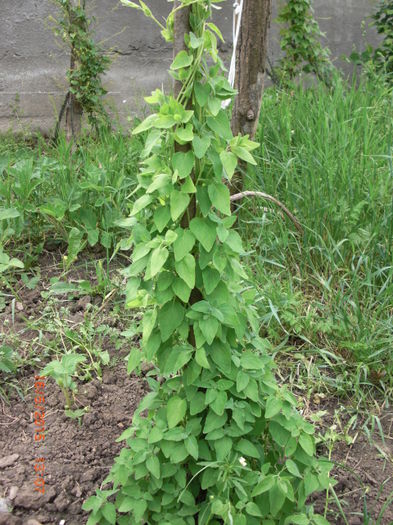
{"x":327,"y":155}
{"x":73,"y":195}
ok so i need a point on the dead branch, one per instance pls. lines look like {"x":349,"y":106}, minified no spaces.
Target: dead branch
{"x":266,"y":196}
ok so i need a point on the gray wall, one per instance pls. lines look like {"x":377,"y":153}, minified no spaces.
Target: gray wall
{"x":33,"y":63}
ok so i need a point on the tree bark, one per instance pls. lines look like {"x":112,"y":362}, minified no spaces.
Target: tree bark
{"x":74,"y":110}
{"x":250,"y":72}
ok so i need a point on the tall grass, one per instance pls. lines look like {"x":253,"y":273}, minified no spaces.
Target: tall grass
{"x":327,"y":155}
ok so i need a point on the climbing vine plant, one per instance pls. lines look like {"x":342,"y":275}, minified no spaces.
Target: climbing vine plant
{"x":217,"y":441}
{"x":300,"y":43}
{"x":383,"y":20}
{"x":88,"y":62}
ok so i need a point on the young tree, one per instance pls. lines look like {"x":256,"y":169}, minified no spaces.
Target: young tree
{"x":87,"y":64}
{"x":251,"y":55}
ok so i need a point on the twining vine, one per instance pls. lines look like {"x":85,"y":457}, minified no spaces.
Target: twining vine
{"x":87,"y":63}
{"x":301,"y":45}
{"x":218,"y":441}
{"x":383,"y":21}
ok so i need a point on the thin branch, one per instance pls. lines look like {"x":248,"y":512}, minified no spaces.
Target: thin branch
{"x":239,"y":196}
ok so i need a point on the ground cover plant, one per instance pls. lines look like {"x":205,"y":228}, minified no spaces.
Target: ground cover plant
{"x":55,"y":193}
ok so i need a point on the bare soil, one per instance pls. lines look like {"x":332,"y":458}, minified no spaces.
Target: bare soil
{"x":78,"y":456}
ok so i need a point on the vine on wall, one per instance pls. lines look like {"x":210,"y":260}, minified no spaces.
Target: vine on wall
{"x":218,"y":441}
{"x":87,"y":64}
{"x":300,"y":43}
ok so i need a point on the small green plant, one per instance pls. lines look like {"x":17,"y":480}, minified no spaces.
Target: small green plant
{"x":62,"y":372}
{"x":218,"y":441}
{"x":300,"y":42}
{"x":57,"y":194}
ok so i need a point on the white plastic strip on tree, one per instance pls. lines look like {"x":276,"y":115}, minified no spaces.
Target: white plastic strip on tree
{"x":236,"y":25}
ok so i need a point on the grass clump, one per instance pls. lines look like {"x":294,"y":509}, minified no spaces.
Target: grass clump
{"x":327,"y":154}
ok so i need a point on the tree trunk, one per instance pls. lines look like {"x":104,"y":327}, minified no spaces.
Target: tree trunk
{"x":74,"y":110}
{"x":250,"y":71}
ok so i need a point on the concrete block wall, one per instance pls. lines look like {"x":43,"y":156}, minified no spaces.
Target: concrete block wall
{"x":33,"y":64}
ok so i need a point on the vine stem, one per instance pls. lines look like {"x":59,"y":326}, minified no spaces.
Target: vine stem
{"x":266,"y":196}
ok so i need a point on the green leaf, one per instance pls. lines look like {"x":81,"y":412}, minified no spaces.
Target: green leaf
{"x":194,"y":41}
{"x":243,"y":154}
{"x":242,"y":381}
{"x":148,"y":123}
{"x":273,"y":407}
{"x":153,"y":466}
{"x":182,"y":59}
{"x":219,"y":196}
{"x":185,"y":269}
{"x":276,"y":499}
{"x":184,"y":243}
{"x":161,"y":217}
{"x":155,"y":435}
{"x":263,"y":486}
{"x":191,"y":445}
{"x":299,"y":519}
{"x":175,"y":411}
{"x":8,"y":213}
{"x":134,"y":358}
{"x":221,"y":125}
{"x":201,"y":359}
{"x":214,"y":422}
{"x":209,"y":328}
{"x":141,"y":203}
{"x":221,"y":355}
{"x":56,"y":208}
{"x":307,"y":444}
{"x":219,"y":403}
{"x":320,"y":520}
{"x":184,"y":135}
{"x":214,"y":105}
{"x":293,"y":468}
{"x":223,"y":447}
{"x":248,"y":449}
{"x":158,"y":259}
{"x":170,"y":317}
{"x":205,"y":232}
{"x":229,"y":161}
{"x":251,"y":361}
{"x":253,"y":510}
{"x":183,"y":163}
{"x":210,"y":278}
{"x":197,"y":403}
{"x":109,"y":513}
{"x":178,"y":203}
{"x":181,"y":289}
{"x":174,"y":358}
{"x":201,"y":92}
{"x":201,"y":145}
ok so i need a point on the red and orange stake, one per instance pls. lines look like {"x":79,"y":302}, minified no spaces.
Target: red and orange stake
{"x":39,"y":432}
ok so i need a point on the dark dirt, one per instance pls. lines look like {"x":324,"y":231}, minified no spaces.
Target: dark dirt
{"x":78,"y":457}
